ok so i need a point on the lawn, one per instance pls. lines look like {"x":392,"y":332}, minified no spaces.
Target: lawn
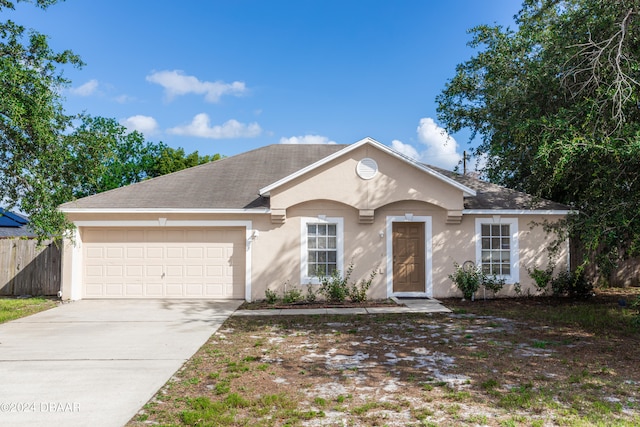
{"x":524,"y":362}
{"x":14,"y":308}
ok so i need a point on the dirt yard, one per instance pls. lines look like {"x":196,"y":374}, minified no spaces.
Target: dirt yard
{"x":525,"y":362}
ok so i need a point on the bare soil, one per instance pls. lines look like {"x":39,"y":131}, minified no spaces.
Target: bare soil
{"x":505,"y":362}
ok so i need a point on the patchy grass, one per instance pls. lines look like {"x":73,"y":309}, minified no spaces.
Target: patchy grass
{"x":526,"y":362}
{"x":14,"y":308}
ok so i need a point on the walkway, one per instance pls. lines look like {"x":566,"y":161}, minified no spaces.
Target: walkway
{"x":411,"y":305}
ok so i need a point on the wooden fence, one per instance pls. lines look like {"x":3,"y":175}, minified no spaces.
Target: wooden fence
{"x":26,"y":269}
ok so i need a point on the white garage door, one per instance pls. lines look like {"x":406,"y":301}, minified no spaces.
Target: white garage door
{"x":163,"y":263}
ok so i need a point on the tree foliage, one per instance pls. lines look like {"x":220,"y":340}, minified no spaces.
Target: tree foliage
{"x":48,"y":157}
{"x":33,"y":155}
{"x":115,"y":157}
{"x":554,"y":105}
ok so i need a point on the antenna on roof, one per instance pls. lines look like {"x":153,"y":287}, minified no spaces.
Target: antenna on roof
{"x":464,"y":162}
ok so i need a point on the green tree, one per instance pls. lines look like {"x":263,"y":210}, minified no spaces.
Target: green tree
{"x":48,"y":157}
{"x":168,"y":160}
{"x":114,"y":156}
{"x":554,"y":105}
{"x":33,"y":154}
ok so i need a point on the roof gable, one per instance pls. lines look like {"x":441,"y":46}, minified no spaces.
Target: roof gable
{"x":467,"y":191}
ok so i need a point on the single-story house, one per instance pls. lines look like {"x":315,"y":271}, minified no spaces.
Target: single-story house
{"x":282,"y":215}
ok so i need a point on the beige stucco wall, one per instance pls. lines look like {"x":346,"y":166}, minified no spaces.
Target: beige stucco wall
{"x":277,"y":254}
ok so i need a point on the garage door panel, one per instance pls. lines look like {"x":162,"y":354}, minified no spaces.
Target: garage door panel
{"x":134,"y":289}
{"x":164,"y":263}
{"x":155,"y":252}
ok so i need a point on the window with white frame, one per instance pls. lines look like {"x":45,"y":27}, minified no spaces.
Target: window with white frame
{"x":321,"y":248}
{"x":497,"y":247}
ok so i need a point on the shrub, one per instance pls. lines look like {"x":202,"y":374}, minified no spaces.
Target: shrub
{"x":573,"y":284}
{"x":291,"y":295}
{"x":358,"y":292}
{"x":311,"y":294}
{"x":493,"y":283}
{"x":270,"y":296}
{"x":335,"y":288}
{"x":467,"y":279}
{"x":542,"y":278}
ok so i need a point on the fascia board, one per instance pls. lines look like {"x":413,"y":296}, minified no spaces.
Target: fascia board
{"x":165,"y":210}
{"x":518,"y":212}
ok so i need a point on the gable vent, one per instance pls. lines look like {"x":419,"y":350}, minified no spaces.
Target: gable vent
{"x":367,"y":168}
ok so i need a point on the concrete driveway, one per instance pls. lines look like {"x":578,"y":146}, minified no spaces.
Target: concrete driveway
{"x":98,"y":362}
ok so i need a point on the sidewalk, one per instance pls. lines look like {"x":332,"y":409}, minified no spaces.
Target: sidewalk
{"x":412,"y":305}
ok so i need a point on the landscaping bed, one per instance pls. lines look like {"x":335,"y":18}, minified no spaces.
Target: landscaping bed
{"x":264,"y":305}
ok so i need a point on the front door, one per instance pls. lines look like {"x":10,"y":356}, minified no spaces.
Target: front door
{"x":408,"y":257}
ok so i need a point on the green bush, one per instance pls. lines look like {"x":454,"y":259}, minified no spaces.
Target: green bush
{"x":335,"y":288}
{"x":291,"y":296}
{"x":468,"y":280}
{"x":270,"y":296}
{"x":311,"y":294}
{"x":541,"y":278}
{"x":573,"y":284}
{"x":493,"y":283}
{"x":358,"y":292}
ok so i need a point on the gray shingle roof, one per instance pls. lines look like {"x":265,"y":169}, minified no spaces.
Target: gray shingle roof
{"x":233,"y":183}
{"x":492,"y":196}
{"x":228,"y":183}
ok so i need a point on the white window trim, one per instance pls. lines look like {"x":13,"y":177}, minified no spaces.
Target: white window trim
{"x":514,"y":277}
{"x":304,"y":252}
{"x":428,"y":254}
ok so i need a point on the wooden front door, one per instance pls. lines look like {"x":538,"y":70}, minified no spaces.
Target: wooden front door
{"x":408,"y":257}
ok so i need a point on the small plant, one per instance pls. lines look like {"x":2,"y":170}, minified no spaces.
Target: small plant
{"x":467,"y":279}
{"x":311,"y":294}
{"x":493,"y":283}
{"x":270,"y":296}
{"x":336,"y":288}
{"x":358,"y":292}
{"x":291,"y":296}
{"x":541,"y":278}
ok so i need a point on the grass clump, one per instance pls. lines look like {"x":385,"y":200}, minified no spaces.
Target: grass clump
{"x":14,"y":308}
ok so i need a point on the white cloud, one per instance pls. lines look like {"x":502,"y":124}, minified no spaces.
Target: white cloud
{"x":176,"y":83}
{"x":439,"y":148}
{"x":144,"y":124}
{"x":405,"y":149}
{"x":86,"y":89}
{"x":124,"y":99}
{"x":201,"y":127}
{"x":307,"y":139}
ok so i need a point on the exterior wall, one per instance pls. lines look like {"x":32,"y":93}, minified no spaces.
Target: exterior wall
{"x":277,"y":254}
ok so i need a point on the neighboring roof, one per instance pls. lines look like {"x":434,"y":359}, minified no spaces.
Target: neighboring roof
{"x":235,"y":183}
{"x":14,"y":225}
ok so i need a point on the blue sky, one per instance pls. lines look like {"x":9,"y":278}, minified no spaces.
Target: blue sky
{"x":229,"y":76}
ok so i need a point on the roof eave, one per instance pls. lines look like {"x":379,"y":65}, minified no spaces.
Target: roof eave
{"x":166,"y":210}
